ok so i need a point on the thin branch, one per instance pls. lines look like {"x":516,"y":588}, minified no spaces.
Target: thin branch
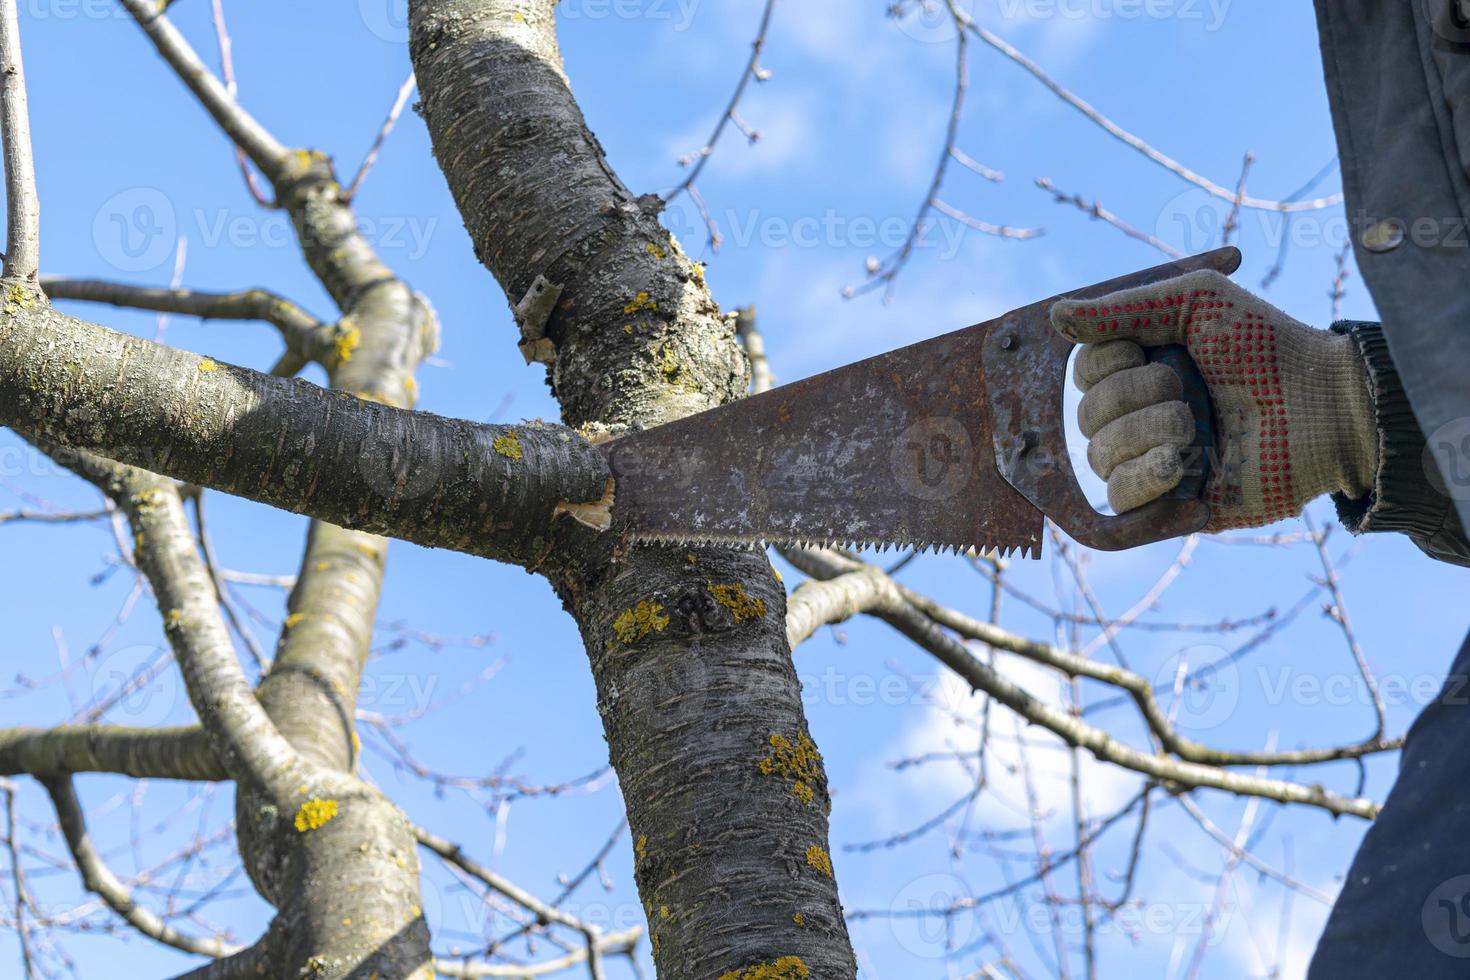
{"x":100,"y":880}
{"x":1337,"y":612}
{"x":404,"y":91}
{"x":1100,"y":213}
{"x":18,"y":879}
{"x":236,"y":621}
{"x":597,"y":944}
{"x":698,"y":159}
{"x":49,"y":517}
{"x":1232,"y":220}
{"x":23,"y":207}
{"x":1211,"y":828}
{"x":248,"y":134}
{"x":911,"y":620}
{"x":885,"y":273}
{"x":761,"y":378}
{"x":227,"y":69}
{"x":306,"y":337}
{"x":1119,"y":133}
{"x":1339,"y":282}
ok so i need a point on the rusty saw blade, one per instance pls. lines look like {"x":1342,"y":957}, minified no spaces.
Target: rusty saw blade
{"x":953,"y":443}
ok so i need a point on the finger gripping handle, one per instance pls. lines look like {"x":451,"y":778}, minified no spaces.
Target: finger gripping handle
{"x":1025,"y":363}
{"x":1196,"y":394}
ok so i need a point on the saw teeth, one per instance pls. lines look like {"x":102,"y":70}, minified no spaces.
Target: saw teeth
{"x":970,"y":549}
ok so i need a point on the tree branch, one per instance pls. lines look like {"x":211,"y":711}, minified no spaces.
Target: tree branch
{"x":912,"y":621}
{"x":307,"y":338}
{"x":143,"y":753}
{"x":484,"y":489}
{"x":596,"y":943}
{"x":100,"y":880}
{"x":23,"y":208}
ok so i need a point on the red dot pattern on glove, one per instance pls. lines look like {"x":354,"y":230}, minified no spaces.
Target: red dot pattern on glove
{"x":1243,"y":357}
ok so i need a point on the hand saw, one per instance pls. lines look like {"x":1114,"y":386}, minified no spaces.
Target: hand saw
{"x":953,"y":443}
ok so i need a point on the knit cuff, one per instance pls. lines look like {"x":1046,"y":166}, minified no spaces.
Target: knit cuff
{"x":1402,"y":498}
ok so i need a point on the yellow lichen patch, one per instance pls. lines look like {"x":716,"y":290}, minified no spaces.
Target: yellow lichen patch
{"x":208,"y":365}
{"x":785,"y":968}
{"x":698,"y":269}
{"x":640,"y":302}
{"x":800,"y":762}
{"x":799,"y":919}
{"x":345,"y":343}
{"x":300,"y":161}
{"x":640,"y":848}
{"x":636,"y":623}
{"x":663,"y":912}
{"x":315,"y":813}
{"x":777,"y":572}
{"x":17,"y":297}
{"x":508,"y":445}
{"x":294,"y":620}
{"x":173,"y":618}
{"x":654,"y":250}
{"x":668,"y":362}
{"x":741,"y":606}
{"x":819,"y":859}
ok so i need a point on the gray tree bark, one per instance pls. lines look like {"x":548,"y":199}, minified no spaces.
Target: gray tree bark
{"x":725,"y":790}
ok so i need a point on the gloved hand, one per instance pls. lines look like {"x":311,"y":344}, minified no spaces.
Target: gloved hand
{"x":1293,"y":410}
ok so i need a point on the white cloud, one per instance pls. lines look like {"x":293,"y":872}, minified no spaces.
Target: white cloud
{"x":952,"y":724}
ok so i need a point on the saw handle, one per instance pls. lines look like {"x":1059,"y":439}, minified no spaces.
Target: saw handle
{"x":1196,"y":394}
{"x":1025,"y":363}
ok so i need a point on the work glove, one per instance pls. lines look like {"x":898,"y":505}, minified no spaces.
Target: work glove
{"x":1293,"y":412}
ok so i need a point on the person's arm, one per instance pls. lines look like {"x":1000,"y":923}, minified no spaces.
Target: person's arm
{"x":1403,"y":497}
{"x":1298,"y":412}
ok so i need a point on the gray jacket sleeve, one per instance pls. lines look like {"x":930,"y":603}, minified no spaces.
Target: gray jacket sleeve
{"x":1404,"y":498}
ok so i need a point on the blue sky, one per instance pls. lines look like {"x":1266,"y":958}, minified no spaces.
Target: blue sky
{"x":851,"y":120}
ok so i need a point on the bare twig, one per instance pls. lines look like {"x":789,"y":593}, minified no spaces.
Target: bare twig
{"x":100,"y":880}
{"x":227,"y":70}
{"x":696,"y":161}
{"x":1121,"y":134}
{"x":18,"y":879}
{"x":885,"y":273}
{"x":23,"y":207}
{"x":307,"y":338}
{"x":1232,"y":220}
{"x":401,"y":100}
{"x":1100,"y":213}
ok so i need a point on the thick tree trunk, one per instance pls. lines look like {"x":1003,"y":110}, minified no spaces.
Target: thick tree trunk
{"x":726,"y":794}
